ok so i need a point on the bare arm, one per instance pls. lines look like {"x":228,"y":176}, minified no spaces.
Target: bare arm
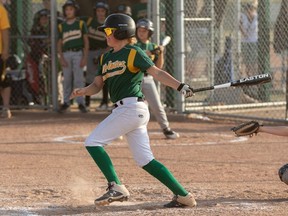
{"x":86,"y":46}
{"x":60,"y":54}
{"x":163,"y":77}
{"x":160,"y":61}
{"x":278,"y":130}
{"x":5,"y":43}
{"x":92,"y":89}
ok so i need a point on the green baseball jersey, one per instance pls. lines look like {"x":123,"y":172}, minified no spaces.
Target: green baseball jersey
{"x":148,"y":46}
{"x":122,"y":71}
{"x":72,"y":34}
{"x":97,"y":39}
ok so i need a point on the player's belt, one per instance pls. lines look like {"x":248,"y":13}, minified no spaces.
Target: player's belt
{"x":73,"y":49}
{"x":128,"y":100}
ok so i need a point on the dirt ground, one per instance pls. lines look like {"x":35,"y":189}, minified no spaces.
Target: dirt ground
{"x":45,"y":169}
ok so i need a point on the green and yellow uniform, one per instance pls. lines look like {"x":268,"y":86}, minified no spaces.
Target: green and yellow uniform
{"x":97,"y":39}
{"x":129,"y":62}
{"x":72,"y":35}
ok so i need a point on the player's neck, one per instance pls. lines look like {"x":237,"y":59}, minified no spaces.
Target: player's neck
{"x":70,"y":20}
{"x":120,"y":45}
{"x":145,"y":41}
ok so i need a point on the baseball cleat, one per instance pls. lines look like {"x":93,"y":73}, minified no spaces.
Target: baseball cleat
{"x":170,"y":134}
{"x":82,"y":108}
{"x":178,"y":201}
{"x":114,"y":193}
{"x":6,"y":113}
{"x":64,"y":108}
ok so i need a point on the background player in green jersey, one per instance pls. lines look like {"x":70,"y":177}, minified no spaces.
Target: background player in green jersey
{"x":73,"y":45}
{"x":121,"y":69}
{"x":97,"y":46}
{"x":144,"y":31}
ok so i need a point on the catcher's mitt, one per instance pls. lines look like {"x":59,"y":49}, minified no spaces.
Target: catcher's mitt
{"x":246,"y":129}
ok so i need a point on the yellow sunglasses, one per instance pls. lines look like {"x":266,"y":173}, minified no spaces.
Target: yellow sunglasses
{"x":109,"y":31}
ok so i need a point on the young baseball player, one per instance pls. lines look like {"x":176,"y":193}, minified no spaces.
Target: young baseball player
{"x":73,"y":45}
{"x":5,"y":81}
{"x":144,"y":31}
{"x":97,"y":46}
{"x":121,"y":69}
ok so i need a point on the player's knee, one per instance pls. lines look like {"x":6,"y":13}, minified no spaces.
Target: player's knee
{"x":143,"y":161}
{"x":91,"y":142}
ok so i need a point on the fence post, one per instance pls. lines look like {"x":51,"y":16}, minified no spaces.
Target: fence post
{"x":264,"y":44}
{"x":180,"y":52}
{"x":54,"y":54}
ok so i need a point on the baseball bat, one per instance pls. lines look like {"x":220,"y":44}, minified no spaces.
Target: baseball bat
{"x":253,"y":80}
{"x":166,"y":40}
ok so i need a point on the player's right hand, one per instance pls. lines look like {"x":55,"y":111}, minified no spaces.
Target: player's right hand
{"x":185,"y":90}
{"x":63,"y":62}
{"x":77,"y":92}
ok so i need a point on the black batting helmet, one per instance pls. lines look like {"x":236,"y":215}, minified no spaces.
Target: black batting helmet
{"x":124,"y":24}
{"x":147,"y":24}
{"x":72,"y":3}
{"x":125,"y":9}
{"x":103,"y":5}
{"x":13,"y":61}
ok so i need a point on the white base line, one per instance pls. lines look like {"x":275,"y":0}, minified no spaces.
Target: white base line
{"x":69,"y":139}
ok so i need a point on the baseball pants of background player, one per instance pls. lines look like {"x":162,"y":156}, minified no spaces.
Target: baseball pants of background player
{"x":149,"y":89}
{"x":73,"y":75}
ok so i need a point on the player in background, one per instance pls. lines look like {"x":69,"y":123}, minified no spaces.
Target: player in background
{"x":73,"y":46}
{"x":124,"y":9}
{"x":97,"y":46}
{"x":5,"y":81}
{"x":144,"y":31}
{"x":122,"y":70}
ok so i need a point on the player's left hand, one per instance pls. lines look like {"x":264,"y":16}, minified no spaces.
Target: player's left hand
{"x":77,"y":92}
{"x":83,"y":62}
{"x":185,"y":90}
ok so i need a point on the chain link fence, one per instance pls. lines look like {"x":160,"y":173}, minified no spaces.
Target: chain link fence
{"x":226,"y":40}
{"x":30,"y":41}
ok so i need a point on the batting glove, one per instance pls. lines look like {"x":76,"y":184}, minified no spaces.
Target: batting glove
{"x":185,"y":90}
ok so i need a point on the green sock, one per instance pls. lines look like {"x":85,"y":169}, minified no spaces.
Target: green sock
{"x":104,"y":163}
{"x":160,"y":172}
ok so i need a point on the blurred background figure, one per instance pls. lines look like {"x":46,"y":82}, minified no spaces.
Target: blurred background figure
{"x":139,"y":10}
{"x":97,"y":46}
{"x":5,"y":80}
{"x":144,"y":31}
{"x":124,"y":9}
{"x":73,"y":47}
{"x":249,"y":46}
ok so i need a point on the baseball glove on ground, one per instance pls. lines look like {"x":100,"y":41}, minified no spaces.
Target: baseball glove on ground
{"x":246,"y":129}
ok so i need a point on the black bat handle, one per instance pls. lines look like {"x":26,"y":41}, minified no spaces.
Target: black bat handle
{"x":202,"y":89}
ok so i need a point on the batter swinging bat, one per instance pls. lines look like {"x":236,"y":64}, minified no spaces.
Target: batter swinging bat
{"x":253,"y":80}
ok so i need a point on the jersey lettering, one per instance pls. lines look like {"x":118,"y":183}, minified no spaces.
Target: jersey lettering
{"x":119,"y":65}
{"x":71,"y":35}
{"x":95,"y":34}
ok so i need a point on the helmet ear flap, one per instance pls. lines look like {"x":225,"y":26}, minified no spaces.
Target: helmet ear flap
{"x":150,"y":33}
{"x":120,"y":34}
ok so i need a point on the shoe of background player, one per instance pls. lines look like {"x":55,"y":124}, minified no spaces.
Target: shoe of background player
{"x":114,"y":193}
{"x":187,"y":201}
{"x":102,"y":107}
{"x":6,"y":113}
{"x":170,"y":134}
{"x":82,"y":108}
{"x":64,"y":108}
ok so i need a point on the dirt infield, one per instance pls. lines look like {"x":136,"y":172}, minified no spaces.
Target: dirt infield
{"x":45,"y":170}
